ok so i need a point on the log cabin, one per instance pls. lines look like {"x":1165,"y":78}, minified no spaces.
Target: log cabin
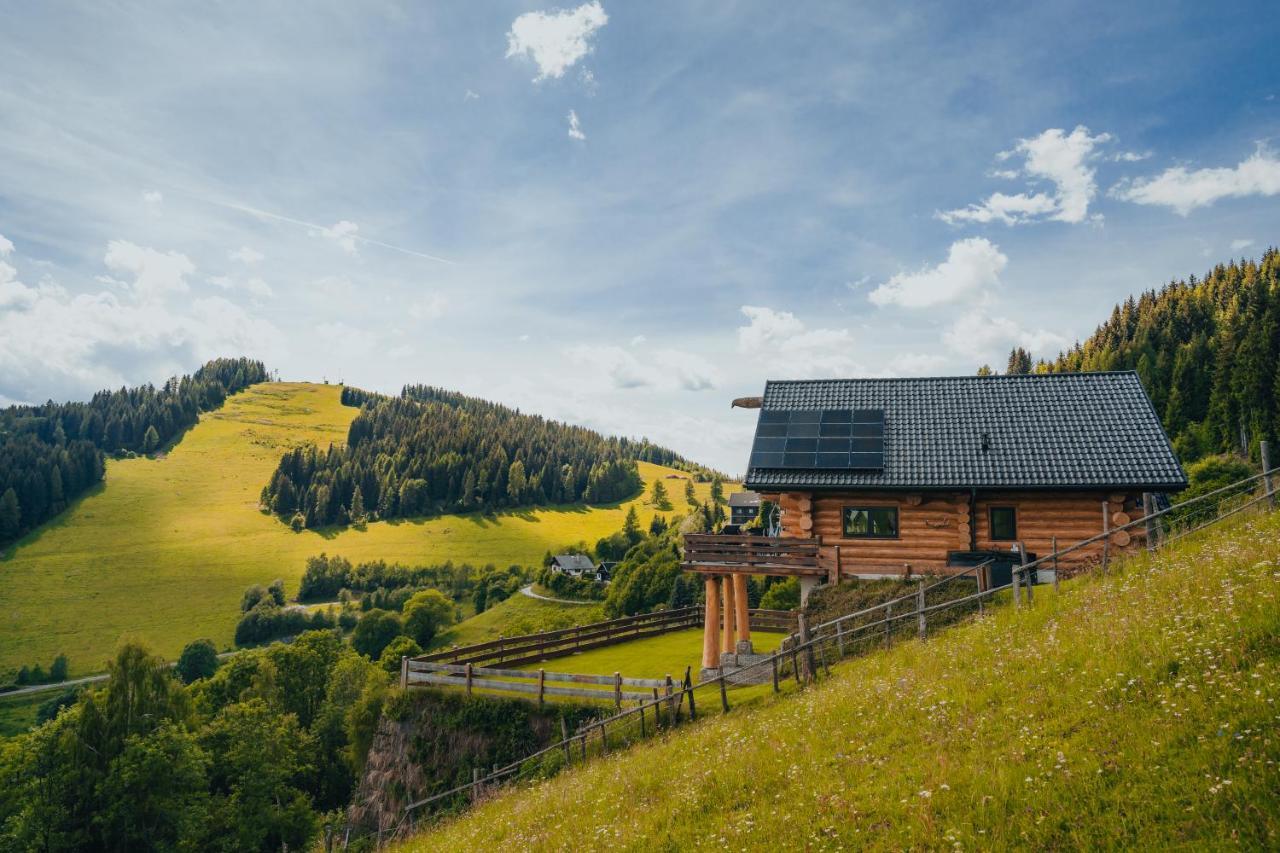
{"x":912,"y":476}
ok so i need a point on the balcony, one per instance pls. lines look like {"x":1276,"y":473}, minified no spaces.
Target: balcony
{"x":755,"y":555}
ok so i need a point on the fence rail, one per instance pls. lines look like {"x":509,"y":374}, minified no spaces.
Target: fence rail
{"x":418,"y":672}
{"x":763,"y":555}
{"x":806,"y":652}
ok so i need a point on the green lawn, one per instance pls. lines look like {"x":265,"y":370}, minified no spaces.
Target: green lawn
{"x":165,"y":547}
{"x":519,"y":614}
{"x":1136,"y":711}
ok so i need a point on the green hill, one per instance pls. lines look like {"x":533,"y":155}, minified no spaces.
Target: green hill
{"x":1133,"y":711}
{"x":164,"y":548}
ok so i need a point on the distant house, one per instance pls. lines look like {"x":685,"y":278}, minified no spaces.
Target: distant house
{"x":743,"y":507}
{"x":575,"y":565}
{"x":604,"y":571}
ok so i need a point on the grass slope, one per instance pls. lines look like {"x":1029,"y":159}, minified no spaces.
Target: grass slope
{"x":1138,"y":710}
{"x":165,"y":547}
{"x":519,"y":614}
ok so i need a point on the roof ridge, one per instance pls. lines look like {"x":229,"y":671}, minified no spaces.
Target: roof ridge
{"x":988,"y":378}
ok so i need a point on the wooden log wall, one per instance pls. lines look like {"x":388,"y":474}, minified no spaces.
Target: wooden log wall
{"x":932,"y":523}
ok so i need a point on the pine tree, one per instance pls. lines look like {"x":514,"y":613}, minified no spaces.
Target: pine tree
{"x":516,"y":482}
{"x":717,"y":491}
{"x":357,"y":506}
{"x":631,"y":526}
{"x":150,"y":440}
{"x":10,"y":515}
{"x":658,"y":497}
{"x":1019,"y":361}
{"x":690,"y":494}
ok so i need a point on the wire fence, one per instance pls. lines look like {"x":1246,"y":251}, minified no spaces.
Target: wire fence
{"x":934,"y":604}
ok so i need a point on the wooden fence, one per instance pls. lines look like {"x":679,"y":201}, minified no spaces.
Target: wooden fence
{"x":548,"y":645}
{"x":530,"y":683}
{"x":764,"y":555}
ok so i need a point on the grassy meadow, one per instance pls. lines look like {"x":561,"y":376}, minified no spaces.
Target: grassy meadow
{"x":165,"y":547}
{"x":1138,"y":710}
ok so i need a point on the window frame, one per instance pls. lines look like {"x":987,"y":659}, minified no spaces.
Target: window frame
{"x":869,"y":508}
{"x":991,"y":523}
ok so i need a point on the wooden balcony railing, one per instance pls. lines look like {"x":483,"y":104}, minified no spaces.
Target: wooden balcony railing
{"x":757,"y":555}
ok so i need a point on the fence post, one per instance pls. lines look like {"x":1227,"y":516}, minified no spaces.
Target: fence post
{"x":805,"y":640}
{"x":1106,"y":540}
{"x":617,"y":691}
{"x":776,"y":688}
{"x":840,"y":638}
{"x":404,"y":672}
{"x":724,"y":692}
{"x":688,"y":690}
{"x":1053,"y":543}
{"x":468,"y":679}
{"x":475,"y":783}
{"x":1017,"y":589}
{"x":1026,"y":578}
{"x":564,"y":739}
{"x":888,"y":614}
{"x":604,"y":739}
{"x":641,"y":719}
{"x":1264,"y":448}
{"x":1148,"y":512}
{"x":671,"y":702}
{"x":920,"y":617}
{"x":542,"y":686}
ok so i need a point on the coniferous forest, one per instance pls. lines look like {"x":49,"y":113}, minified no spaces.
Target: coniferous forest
{"x":1207,"y":351}
{"x":433,"y":451}
{"x":51,"y":453}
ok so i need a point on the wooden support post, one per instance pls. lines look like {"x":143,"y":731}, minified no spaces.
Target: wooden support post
{"x":689,"y":691}
{"x":1148,"y":513}
{"x":1026,"y":576}
{"x":724,"y":693}
{"x":475,"y":783}
{"x":542,"y":687}
{"x":795,"y":663}
{"x":776,"y":688}
{"x":728,"y":646}
{"x":1053,"y":544}
{"x":671,"y":701}
{"x":404,"y":672}
{"x":711,"y":624}
{"x":1268,"y":489}
{"x":803,"y":624}
{"x":1017,"y":590}
{"x":583,"y":738}
{"x":921,"y":624}
{"x":604,"y":739}
{"x":888,"y":614}
{"x":1106,"y":540}
{"x":564,"y":739}
{"x":741,"y":619}
{"x":657,"y":711}
{"x":468,"y":679}
{"x":641,"y":719}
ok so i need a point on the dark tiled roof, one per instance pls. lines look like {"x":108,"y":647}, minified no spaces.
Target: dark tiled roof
{"x":574,"y":563}
{"x":1059,"y":430}
{"x":744,"y":499}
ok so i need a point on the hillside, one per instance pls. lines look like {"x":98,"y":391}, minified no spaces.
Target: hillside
{"x":1207,"y":351}
{"x":1137,"y":710}
{"x":164,"y":548}
{"x":432,"y":451}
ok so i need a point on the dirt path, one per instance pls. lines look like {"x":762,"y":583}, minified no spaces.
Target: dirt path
{"x":528,"y":590}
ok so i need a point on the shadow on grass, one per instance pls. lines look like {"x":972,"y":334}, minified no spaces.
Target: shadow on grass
{"x":59,"y":521}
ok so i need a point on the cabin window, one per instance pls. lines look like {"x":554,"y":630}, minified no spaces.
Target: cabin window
{"x":1004,"y":523}
{"x":871,"y":522}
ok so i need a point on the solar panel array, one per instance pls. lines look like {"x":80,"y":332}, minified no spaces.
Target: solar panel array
{"x":833,"y":439}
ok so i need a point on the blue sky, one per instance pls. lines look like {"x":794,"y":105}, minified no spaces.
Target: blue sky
{"x":622,"y":215}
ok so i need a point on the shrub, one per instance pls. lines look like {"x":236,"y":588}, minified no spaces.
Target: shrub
{"x":782,"y":596}
{"x":401,"y":646}
{"x":374,"y":632}
{"x":425,"y":614}
{"x":58,"y":671}
{"x":198,"y":660}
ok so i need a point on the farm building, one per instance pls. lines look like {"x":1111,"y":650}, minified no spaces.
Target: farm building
{"x":577,"y":565}
{"x":743,"y":507}
{"x":895,"y":477}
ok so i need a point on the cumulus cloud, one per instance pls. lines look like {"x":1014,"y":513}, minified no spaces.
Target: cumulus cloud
{"x":665,"y":370}
{"x":1055,"y":156}
{"x":154,"y":273}
{"x":771,"y":334}
{"x":6,"y":247}
{"x":1184,"y":190}
{"x":343,"y":234}
{"x":1237,"y":245}
{"x":246,"y":255}
{"x":981,"y":336}
{"x":555,"y":40}
{"x":689,"y":372}
{"x":575,"y":129}
{"x":66,"y":346}
{"x":622,"y":369}
{"x":1130,"y":156}
{"x":972,"y":265}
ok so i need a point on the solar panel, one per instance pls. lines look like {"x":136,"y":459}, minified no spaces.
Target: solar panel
{"x":832,"y":439}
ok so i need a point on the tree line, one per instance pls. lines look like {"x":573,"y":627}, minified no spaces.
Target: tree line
{"x":1206,"y":350}
{"x":51,"y":453}
{"x":432,"y":451}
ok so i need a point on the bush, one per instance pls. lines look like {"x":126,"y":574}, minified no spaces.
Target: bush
{"x":266,"y":621}
{"x":58,"y":671}
{"x":425,"y":614}
{"x":198,"y":660}
{"x":49,"y":708}
{"x":374,"y":632}
{"x":782,"y":596}
{"x":252,"y":596}
{"x":401,"y":646}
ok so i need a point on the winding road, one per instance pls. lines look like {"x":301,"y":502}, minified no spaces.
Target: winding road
{"x":528,"y":590}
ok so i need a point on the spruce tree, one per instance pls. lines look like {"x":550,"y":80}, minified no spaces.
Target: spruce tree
{"x":631,"y":526}
{"x":717,"y":491}
{"x":10,"y":515}
{"x":357,"y":506}
{"x":658,"y":497}
{"x":150,"y":440}
{"x":690,"y":494}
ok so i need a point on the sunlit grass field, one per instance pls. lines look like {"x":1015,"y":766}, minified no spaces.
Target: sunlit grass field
{"x":165,"y":547}
{"x":519,"y":614}
{"x":1136,"y":711}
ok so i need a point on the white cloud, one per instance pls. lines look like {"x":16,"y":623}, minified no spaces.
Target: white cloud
{"x":1185,"y":190}
{"x":6,"y":247}
{"x":664,"y":370}
{"x":246,"y":255}
{"x":688,"y":371}
{"x":341,"y":233}
{"x":154,"y":273}
{"x":972,"y":265}
{"x":470,"y":95}
{"x":780,"y":335}
{"x":981,"y":336}
{"x":556,"y":40}
{"x":622,"y":369}
{"x":1237,"y":245}
{"x":1131,"y":156}
{"x":153,"y":197}
{"x":1056,"y":156}
{"x":637,"y":340}
{"x":575,"y":129}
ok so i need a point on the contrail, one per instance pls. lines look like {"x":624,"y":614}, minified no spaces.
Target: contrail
{"x":316,"y":227}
